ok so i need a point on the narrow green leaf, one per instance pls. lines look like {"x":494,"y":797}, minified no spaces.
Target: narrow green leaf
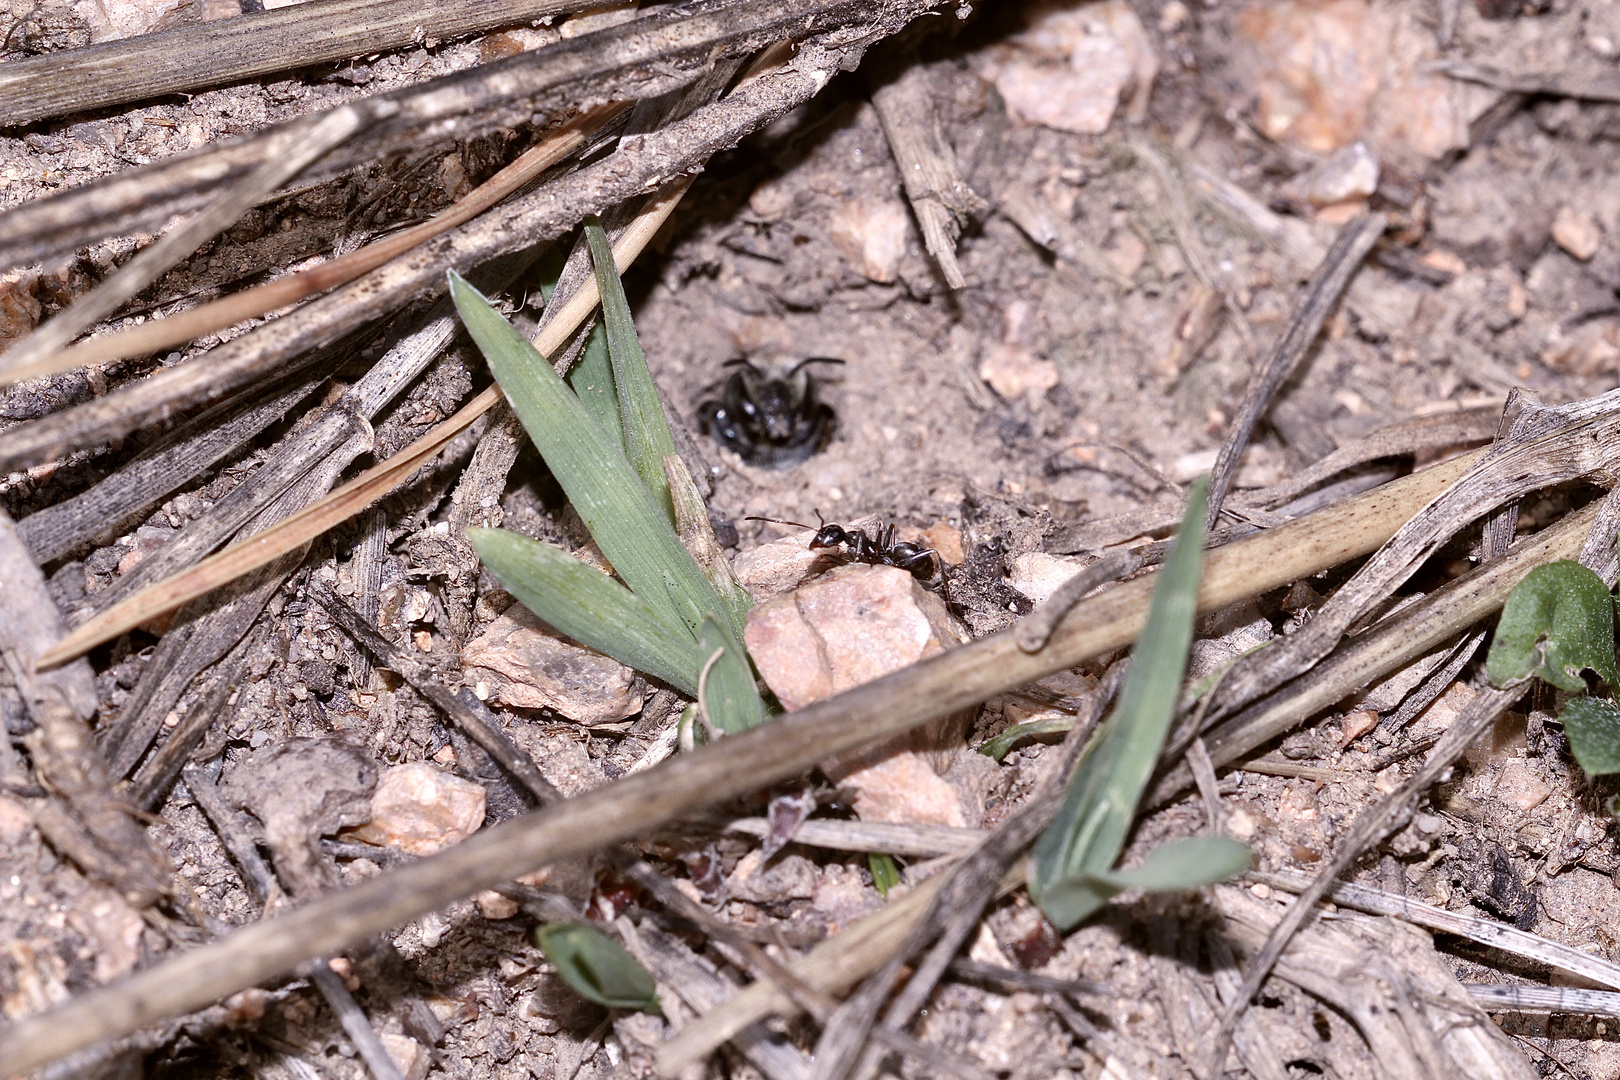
{"x":597,"y":967}
{"x":1004,"y":744}
{"x":632,"y":531}
{"x":1557,"y":623}
{"x":646,"y":429}
{"x":1088,"y":833}
{"x":729,"y":692}
{"x":1593,"y":728}
{"x":697,"y":535}
{"x":1183,"y":864}
{"x":1180,"y":864}
{"x":588,"y":606}
{"x":885,"y":875}
{"x":591,"y":378}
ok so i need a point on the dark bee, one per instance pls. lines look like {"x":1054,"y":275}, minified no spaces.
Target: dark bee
{"x":770,"y":416}
{"x":853,"y":545}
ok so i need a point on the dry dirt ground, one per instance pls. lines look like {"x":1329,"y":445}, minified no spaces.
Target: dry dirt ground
{"x":1502,"y":269}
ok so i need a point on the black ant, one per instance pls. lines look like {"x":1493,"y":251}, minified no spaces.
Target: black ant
{"x":770,"y":414}
{"x":882,"y":550}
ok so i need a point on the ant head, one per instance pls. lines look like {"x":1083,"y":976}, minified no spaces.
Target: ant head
{"x":829,"y":535}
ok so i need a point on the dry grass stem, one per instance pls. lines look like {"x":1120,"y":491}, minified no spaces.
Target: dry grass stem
{"x":26,"y":362}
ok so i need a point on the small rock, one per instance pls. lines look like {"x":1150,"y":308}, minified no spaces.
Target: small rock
{"x":408,"y":1055}
{"x":1520,"y":786}
{"x":1327,"y":73}
{"x":1038,"y":575}
{"x":1451,"y":263}
{"x":1356,"y":724}
{"x":525,"y":664}
{"x":946,"y":540}
{"x":871,"y":234}
{"x":15,"y":823}
{"x":1126,"y":251}
{"x":494,"y":906}
{"x":842,"y":896}
{"x":791,"y":877}
{"x":112,"y":928}
{"x":110,"y":20}
{"x":1577,"y":233}
{"x":1240,"y":824}
{"x":853,"y":625}
{"x":1072,"y":63}
{"x":420,"y":810}
{"x":246,"y":1007}
{"x":1013,"y":371}
{"x":1350,"y":172}
{"x":19,"y":308}
{"x":1593,"y":348}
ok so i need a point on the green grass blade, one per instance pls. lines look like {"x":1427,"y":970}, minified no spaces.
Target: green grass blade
{"x":697,"y":536}
{"x":647,"y":440}
{"x":1099,"y":803}
{"x":885,"y":875}
{"x":1183,"y":864}
{"x":588,"y":606}
{"x":1004,"y":744}
{"x":632,"y":531}
{"x":592,"y":381}
{"x":729,"y":692}
{"x":597,"y":967}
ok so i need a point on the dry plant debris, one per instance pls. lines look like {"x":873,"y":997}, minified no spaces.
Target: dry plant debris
{"x":289,"y":781}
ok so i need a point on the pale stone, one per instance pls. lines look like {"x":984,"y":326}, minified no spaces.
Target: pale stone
{"x":946,"y":540}
{"x":494,"y":906}
{"x":1013,"y":371}
{"x":852,"y":626}
{"x":1349,"y":173}
{"x":1577,"y":233}
{"x":1326,"y":73}
{"x":420,"y":810}
{"x":15,"y":822}
{"x":870,"y":234}
{"x":112,"y":928}
{"x":110,"y":20}
{"x":1072,"y":64}
{"x":409,"y":1056}
{"x":524,"y":663}
{"x":1038,"y":575}
{"x":1520,"y":786}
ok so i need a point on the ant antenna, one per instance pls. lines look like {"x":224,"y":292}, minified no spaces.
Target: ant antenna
{"x":815,"y":360}
{"x":779,"y":521}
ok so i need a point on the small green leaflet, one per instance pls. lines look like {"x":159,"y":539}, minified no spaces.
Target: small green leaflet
{"x":1593,"y":728}
{"x":885,"y":875}
{"x":597,"y":967}
{"x":1556,"y":624}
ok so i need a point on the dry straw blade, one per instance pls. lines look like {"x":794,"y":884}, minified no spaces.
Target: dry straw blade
{"x":261,"y":300}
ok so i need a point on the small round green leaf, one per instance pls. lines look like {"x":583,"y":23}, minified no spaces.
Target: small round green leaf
{"x":1593,"y":728}
{"x":1558,"y":623}
{"x":597,"y":967}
